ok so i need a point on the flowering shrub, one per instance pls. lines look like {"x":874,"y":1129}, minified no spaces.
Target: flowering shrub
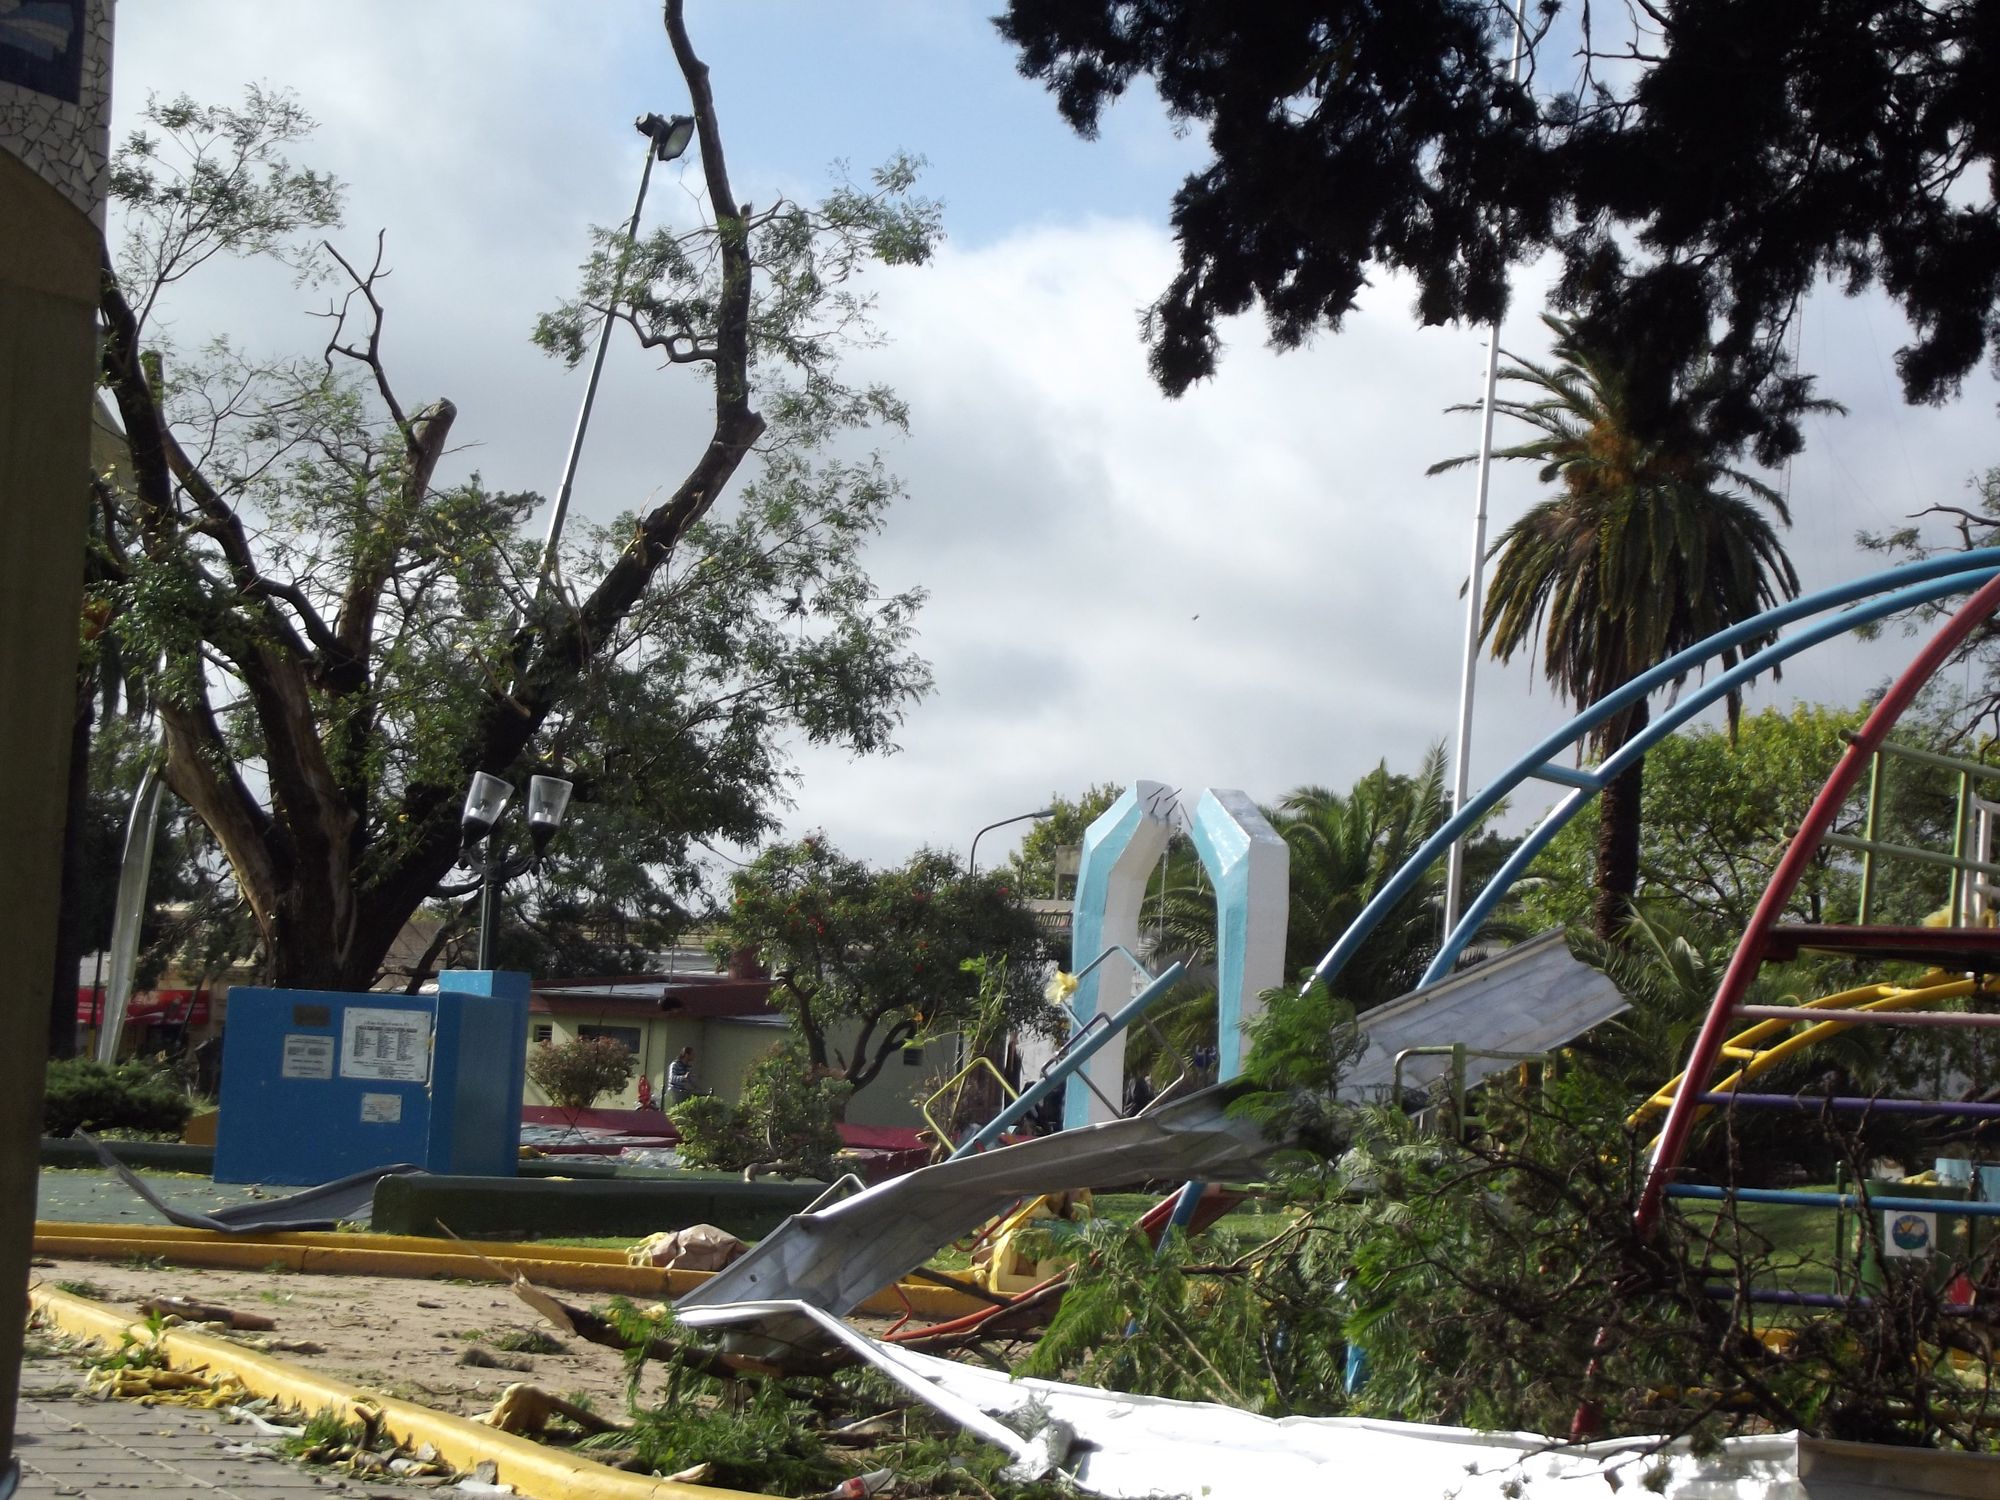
{"x":576,"y":1074}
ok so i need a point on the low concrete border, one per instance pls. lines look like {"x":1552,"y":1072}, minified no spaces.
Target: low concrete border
{"x":559,"y":1268}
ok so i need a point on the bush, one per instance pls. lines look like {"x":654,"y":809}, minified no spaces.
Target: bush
{"x":714,"y":1133}
{"x":787,"y":1120}
{"x":576,"y":1074}
{"x":81,"y":1094}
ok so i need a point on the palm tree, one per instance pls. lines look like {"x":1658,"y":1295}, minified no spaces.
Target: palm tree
{"x":1650,"y":543}
{"x":1345,"y":846}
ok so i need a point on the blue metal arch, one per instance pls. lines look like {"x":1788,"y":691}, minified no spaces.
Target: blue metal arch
{"x":1884,"y":594}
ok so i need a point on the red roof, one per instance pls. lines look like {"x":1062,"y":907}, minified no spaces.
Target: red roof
{"x":685,"y":996}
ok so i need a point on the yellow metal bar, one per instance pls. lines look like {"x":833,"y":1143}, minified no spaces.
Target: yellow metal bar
{"x":943,"y":1132}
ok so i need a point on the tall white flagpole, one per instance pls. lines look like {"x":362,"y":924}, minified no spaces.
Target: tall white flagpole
{"x":1454,"y":879}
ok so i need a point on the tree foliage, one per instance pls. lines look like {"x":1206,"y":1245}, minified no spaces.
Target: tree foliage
{"x":1720,"y":809}
{"x":787,"y":1120}
{"x":1345,"y":846}
{"x":577,"y":1073}
{"x":1491,"y":1275}
{"x":1691,"y":165}
{"x":349,"y":630}
{"x":1034,"y":863}
{"x":870,"y":961}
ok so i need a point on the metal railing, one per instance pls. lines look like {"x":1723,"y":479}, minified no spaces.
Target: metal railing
{"x":1974,"y":815}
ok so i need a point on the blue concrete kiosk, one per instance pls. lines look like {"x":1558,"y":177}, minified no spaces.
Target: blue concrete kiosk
{"x":317,"y":1084}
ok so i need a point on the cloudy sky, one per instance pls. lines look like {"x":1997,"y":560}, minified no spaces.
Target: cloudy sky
{"x":1254,"y":586}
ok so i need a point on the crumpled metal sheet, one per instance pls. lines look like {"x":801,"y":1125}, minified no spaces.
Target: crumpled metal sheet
{"x":1134,"y":1446}
{"x":1533,"y":997}
{"x":323,"y":1207}
{"x":787,"y":1332}
{"x":836,"y":1258}
{"x":1131,"y":1447}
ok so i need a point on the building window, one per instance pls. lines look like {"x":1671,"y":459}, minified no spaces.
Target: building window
{"x":628,"y":1035}
{"x":543,"y":1032}
{"x":913,"y":1057}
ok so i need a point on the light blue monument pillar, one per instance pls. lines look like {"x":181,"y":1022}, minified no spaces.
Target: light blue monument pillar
{"x":1250,"y":867}
{"x":317,"y":1084}
{"x":1120,"y":850}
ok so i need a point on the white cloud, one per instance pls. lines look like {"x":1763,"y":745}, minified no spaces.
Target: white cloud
{"x":1255,"y":586}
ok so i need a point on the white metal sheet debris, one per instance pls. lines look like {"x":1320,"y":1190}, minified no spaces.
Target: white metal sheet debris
{"x":835,"y":1258}
{"x":1531,"y":998}
{"x":1132,"y":1447}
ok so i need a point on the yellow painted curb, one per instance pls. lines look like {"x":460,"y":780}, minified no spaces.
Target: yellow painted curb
{"x":341,"y":1240}
{"x":534,"y":1471}
{"x":556,"y":1267}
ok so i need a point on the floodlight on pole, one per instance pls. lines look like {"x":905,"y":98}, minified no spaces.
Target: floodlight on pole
{"x":666,"y":138}
{"x":485,"y":800}
{"x":548,"y":800}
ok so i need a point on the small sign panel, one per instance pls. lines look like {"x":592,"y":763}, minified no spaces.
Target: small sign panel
{"x":381,"y":1109}
{"x":312,"y":1015}
{"x":391,"y":1045}
{"x":1908,"y":1235}
{"x":307,"y":1056}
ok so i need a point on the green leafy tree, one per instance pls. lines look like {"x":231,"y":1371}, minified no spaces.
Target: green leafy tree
{"x":1719,"y":810}
{"x":1345,"y":847}
{"x":869,"y":961}
{"x":786,"y":1122}
{"x":1648,"y":546}
{"x":1034,"y":863}
{"x":1688,"y":165}
{"x":1497,"y":1280}
{"x":349,"y":634}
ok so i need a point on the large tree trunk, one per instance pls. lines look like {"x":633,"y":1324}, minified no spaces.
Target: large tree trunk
{"x":1618,"y":836}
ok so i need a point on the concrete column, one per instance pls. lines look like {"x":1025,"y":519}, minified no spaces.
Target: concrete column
{"x":1250,"y":867}
{"x":1120,"y":850}
{"x":48,"y":296}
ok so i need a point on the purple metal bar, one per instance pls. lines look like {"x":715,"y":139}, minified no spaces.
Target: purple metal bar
{"x":1847,"y":1104}
{"x":1798,"y":1013}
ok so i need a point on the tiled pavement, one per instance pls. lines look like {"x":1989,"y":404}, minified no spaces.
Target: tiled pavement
{"x":73,"y":1446}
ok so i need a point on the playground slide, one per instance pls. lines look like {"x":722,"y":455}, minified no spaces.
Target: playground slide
{"x":1762,"y":1046}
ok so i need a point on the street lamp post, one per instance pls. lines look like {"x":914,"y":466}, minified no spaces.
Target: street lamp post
{"x":666,"y":139}
{"x":485,"y":800}
{"x":972,"y":858}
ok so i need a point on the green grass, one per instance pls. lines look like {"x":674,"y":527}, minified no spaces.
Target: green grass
{"x":1802,"y":1239}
